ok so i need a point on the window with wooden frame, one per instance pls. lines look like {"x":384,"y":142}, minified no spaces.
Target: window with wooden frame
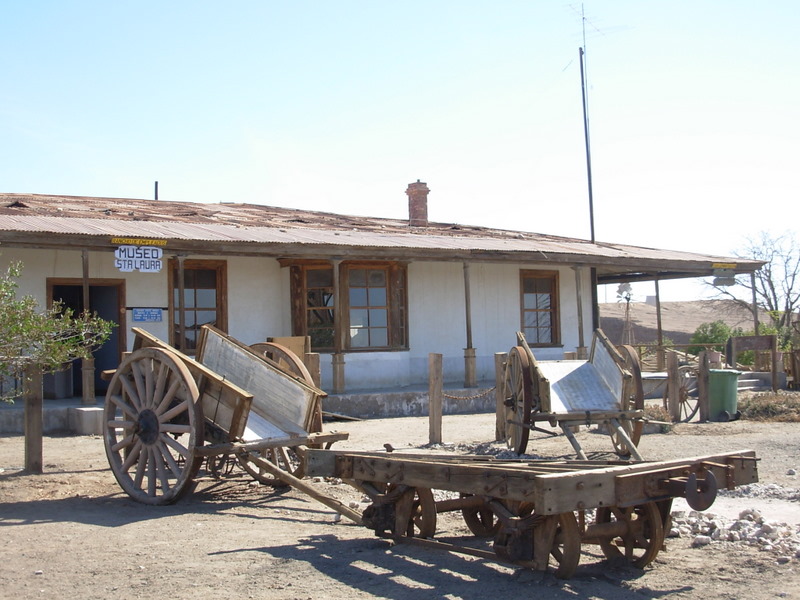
{"x":314,"y":304}
{"x":205,"y":298}
{"x":539,"y":307}
{"x":373,"y":312}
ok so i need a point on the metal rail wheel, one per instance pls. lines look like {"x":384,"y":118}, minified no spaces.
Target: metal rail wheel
{"x":518,"y":394}
{"x":152,"y":424}
{"x":540,"y":541}
{"x":480,"y":519}
{"x":402,"y":510}
{"x":640,"y":535}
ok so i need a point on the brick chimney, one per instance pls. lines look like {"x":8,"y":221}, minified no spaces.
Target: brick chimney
{"x":417,"y":204}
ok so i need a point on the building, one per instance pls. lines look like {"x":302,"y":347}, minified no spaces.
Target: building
{"x":376,"y":296}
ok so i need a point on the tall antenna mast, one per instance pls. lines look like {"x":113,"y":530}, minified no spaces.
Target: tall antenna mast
{"x":585,"y":99}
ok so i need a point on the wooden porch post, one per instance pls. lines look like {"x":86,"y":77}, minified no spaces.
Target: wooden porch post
{"x":435,"y":398}
{"x":339,"y":344}
{"x":87,"y":364}
{"x":470,"y":379}
{"x":660,"y":331}
{"x":181,"y":345}
{"x":578,"y":294}
{"x":755,"y":304}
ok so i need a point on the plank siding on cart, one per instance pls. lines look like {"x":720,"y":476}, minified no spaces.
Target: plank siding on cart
{"x":278,"y":398}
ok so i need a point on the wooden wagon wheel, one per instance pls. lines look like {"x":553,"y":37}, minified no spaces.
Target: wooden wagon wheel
{"x":518,"y":395}
{"x":644,"y":537}
{"x":688,"y":396}
{"x":562,"y":534}
{"x":481,"y":520}
{"x":633,"y":400}
{"x":285,"y":358}
{"x":285,"y":458}
{"x":153,"y":422}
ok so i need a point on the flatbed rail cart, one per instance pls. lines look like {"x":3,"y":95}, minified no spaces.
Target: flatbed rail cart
{"x":165,"y":413}
{"x":537,"y":512}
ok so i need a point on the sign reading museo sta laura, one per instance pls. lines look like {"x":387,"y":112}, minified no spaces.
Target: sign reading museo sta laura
{"x":146,"y":259}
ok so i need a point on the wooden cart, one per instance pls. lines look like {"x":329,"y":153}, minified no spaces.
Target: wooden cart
{"x":604,"y":390}
{"x":537,"y":513}
{"x":165,"y":413}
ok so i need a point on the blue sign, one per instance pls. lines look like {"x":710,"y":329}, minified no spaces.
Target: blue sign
{"x":147,"y":315}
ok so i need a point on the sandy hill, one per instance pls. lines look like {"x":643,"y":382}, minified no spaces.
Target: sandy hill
{"x":679,"y":320}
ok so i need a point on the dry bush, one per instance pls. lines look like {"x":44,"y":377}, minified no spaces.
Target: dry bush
{"x":782,"y":406}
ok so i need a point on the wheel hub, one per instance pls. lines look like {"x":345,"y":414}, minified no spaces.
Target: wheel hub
{"x":147,"y":426}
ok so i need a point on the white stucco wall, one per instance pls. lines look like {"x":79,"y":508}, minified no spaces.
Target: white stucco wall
{"x":437,"y":323}
{"x":259,"y":307}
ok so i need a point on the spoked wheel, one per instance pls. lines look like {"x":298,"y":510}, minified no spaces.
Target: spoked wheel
{"x":644,"y":537}
{"x":518,"y":395}
{"x":284,"y":458}
{"x":481,"y":520}
{"x":152,"y":424}
{"x":633,"y":400}
{"x":688,"y":395}
{"x":560,"y":532}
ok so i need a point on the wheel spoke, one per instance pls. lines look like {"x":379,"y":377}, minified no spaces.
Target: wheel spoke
{"x":138,"y":380}
{"x":167,"y":399}
{"x":180,"y":449}
{"x":173,"y":466}
{"x":123,"y":443}
{"x":133,"y":456}
{"x":120,"y":403}
{"x":131,"y":392}
{"x":173,"y":412}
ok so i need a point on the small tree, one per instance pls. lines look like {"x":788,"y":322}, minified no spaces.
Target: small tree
{"x":46,"y":339}
{"x":777,"y":283}
{"x":716,"y":333}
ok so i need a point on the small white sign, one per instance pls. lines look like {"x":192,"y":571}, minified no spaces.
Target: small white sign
{"x":146,"y":259}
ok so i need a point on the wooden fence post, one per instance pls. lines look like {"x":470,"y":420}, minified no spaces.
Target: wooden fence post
{"x":470,"y":379}
{"x":33,"y":394}
{"x":500,"y":406}
{"x":702,"y":386}
{"x":673,"y":385}
{"x":435,"y":398}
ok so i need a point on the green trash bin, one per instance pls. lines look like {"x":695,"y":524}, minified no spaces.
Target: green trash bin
{"x":723,"y":387}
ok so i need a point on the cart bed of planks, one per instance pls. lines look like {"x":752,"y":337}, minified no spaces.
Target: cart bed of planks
{"x":165,"y":413}
{"x":535,"y":512}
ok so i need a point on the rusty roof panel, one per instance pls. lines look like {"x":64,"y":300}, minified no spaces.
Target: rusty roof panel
{"x":271,"y":226}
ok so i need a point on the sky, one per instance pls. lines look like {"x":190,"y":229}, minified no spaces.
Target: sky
{"x":339,"y":105}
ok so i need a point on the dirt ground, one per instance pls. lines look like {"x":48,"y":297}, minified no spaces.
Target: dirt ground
{"x":72,"y":533}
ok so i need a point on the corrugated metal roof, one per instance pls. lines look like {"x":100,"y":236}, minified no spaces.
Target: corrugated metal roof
{"x":271,"y":226}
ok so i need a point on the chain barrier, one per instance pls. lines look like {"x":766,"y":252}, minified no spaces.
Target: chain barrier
{"x":476,"y":396}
